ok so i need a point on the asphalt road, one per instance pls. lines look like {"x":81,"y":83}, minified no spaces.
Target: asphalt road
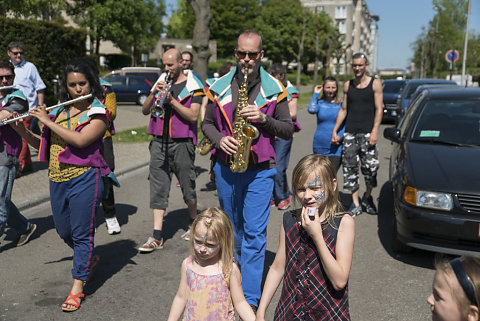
{"x":36,"y":278}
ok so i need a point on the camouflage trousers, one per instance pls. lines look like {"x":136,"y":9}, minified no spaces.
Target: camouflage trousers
{"x":356,"y":148}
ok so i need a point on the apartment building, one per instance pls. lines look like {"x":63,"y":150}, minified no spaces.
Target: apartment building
{"x":357,"y":25}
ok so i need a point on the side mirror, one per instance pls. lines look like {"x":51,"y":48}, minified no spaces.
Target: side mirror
{"x":393,"y":134}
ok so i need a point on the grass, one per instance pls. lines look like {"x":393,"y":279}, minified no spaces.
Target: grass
{"x":135,"y":135}
{"x":304,"y":99}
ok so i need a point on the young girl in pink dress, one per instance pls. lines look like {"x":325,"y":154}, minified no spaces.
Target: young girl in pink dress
{"x":210,"y":285}
{"x":315,"y":250}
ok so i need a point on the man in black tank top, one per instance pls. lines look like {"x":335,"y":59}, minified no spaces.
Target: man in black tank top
{"x":362,"y":113}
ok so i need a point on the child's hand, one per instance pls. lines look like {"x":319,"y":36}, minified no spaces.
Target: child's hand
{"x":312,"y":225}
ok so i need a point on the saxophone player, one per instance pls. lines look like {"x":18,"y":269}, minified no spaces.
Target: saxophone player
{"x":172,"y":148}
{"x":245,"y":196}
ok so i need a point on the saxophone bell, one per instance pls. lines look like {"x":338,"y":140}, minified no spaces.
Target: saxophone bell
{"x":204,"y":146}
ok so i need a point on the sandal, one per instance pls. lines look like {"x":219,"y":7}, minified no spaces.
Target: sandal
{"x":93,"y":266}
{"x":76,"y":298}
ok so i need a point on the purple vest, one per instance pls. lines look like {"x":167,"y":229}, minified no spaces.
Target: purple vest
{"x":178,"y":127}
{"x":262,"y":148}
{"x":91,"y":155}
{"x":10,"y":138}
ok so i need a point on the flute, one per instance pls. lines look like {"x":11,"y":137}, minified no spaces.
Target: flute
{"x":27,"y":114}
{"x":7,"y":88}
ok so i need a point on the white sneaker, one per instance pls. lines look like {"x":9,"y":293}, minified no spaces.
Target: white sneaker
{"x":112,"y":225}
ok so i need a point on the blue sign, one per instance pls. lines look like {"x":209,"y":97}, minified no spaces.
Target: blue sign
{"x":451,"y":56}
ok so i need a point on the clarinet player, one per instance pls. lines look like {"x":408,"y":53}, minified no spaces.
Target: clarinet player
{"x":245,"y":196}
{"x":172,"y":149}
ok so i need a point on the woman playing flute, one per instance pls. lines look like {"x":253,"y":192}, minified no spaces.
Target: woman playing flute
{"x":71,"y":141}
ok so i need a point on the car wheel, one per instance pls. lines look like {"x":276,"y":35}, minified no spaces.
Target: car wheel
{"x":397,"y":245}
{"x":141,"y":99}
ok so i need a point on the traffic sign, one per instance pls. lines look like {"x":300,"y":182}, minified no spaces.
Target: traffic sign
{"x":451,"y":56}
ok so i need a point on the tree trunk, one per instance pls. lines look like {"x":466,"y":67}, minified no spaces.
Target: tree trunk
{"x":300,"y":50}
{"x":201,"y":35}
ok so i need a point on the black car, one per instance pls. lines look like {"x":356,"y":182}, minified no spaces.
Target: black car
{"x":434,"y":172}
{"x":130,"y":88}
{"x":133,"y":84}
{"x":391,"y":93}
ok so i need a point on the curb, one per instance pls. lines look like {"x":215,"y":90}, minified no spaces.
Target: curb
{"x":40,"y":199}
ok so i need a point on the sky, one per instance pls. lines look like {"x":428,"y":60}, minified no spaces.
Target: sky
{"x":401,"y":22}
{"x":399,"y":25}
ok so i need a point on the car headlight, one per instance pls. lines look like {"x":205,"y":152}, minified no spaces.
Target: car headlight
{"x":435,"y":200}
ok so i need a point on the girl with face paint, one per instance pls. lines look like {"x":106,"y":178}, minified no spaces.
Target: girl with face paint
{"x":456,"y":290}
{"x":211,"y":283}
{"x":317,"y":248}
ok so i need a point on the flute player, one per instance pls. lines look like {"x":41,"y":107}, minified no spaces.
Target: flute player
{"x":12,"y":100}
{"x":71,"y":142}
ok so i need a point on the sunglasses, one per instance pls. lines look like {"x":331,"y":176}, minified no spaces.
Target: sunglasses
{"x":17,"y":52}
{"x":251,"y":55}
{"x":7,"y":77}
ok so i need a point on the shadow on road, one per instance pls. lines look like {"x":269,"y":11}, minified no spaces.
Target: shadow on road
{"x":43,"y":225}
{"x":385,"y":221}
{"x":174,"y":221}
{"x":114,"y":257}
{"x":123,"y":211}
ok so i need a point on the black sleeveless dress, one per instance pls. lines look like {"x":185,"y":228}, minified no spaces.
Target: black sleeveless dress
{"x":307,"y":294}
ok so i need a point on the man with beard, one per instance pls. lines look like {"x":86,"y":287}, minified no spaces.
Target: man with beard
{"x":174,"y":137}
{"x":245,"y":196}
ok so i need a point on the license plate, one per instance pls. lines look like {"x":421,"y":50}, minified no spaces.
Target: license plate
{"x":394,"y":113}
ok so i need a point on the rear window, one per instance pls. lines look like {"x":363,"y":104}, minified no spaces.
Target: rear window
{"x":116,"y":80}
{"x":151,"y":77}
{"x":392,"y":86}
{"x":412,"y":87}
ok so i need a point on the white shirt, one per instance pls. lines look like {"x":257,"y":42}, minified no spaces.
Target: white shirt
{"x":28,"y":80}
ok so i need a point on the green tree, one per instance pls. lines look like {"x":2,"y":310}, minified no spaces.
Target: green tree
{"x":229,"y":19}
{"x":280,"y":22}
{"x":182,"y":21}
{"x":444,"y":32}
{"x":133,"y":25}
{"x":48,"y":10}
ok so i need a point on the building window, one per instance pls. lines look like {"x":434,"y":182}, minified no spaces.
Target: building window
{"x":341,"y":12}
{"x":342,"y":28}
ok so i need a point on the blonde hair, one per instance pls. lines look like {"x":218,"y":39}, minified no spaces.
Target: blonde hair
{"x":321,"y":166}
{"x":219,"y":225}
{"x":471,"y":265}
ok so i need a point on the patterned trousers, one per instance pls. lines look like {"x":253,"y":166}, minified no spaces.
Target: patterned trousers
{"x":356,"y":148}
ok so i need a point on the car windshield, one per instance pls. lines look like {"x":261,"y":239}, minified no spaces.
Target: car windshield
{"x":455,"y":122}
{"x":392,"y":86}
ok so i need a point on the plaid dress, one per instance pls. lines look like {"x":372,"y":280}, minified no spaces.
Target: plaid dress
{"x":307,"y":294}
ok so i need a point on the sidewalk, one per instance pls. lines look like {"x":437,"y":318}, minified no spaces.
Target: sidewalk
{"x":32,"y":189}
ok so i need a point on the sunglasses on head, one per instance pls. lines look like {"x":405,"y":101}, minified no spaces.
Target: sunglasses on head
{"x":7,"y":77}
{"x":251,"y":55}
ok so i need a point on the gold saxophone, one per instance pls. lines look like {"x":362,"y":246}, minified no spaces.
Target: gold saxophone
{"x":204,"y":146}
{"x":243,"y":132}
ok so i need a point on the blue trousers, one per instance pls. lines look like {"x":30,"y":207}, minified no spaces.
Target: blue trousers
{"x":245,"y":197}
{"x":9,"y":214}
{"x":74,"y":205}
{"x":282,"y":151}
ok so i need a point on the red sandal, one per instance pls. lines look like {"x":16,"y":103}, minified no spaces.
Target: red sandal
{"x":76,"y":298}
